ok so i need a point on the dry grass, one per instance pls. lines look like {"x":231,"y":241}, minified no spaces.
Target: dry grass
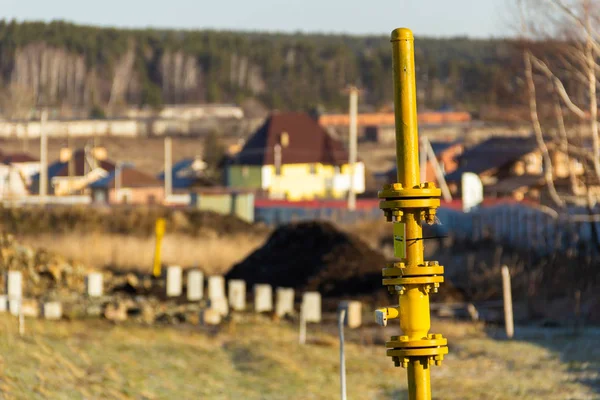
{"x":215,"y":255}
{"x":260,"y":359}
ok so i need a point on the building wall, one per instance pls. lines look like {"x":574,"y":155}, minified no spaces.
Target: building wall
{"x":27,"y":170}
{"x":298,"y":181}
{"x":244,"y":176}
{"x":238,"y":204}
{"x":138,"y":195}
{"x":11,"y":183}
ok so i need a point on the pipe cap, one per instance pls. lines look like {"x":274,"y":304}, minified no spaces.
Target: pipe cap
{"x":402,"y":34}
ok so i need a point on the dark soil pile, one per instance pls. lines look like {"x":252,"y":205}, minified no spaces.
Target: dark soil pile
{"x":314,"y":256}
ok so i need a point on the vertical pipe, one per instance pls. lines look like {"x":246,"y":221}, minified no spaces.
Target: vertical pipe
{"x":407,"y":141}
{"x":43,"y":190}
{"x":352,"y":136}
{"x":341,"y":321}
{"x":405,"y":101}
{"x":168,"y":168}
{"x":413,"y":301}
{"x":419,"y":384}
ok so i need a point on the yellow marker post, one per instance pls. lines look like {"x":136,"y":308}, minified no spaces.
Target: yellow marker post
{"x":409,"y":203}
{"x":160,"y":228}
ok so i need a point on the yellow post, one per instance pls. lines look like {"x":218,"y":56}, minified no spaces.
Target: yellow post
{"x":408,"y":204}
{"x":160,"y":232}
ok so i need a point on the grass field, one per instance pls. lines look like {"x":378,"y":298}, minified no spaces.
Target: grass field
{"x":260,"y":359}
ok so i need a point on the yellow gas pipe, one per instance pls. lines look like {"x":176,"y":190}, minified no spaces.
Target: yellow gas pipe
{"x":408,"y":204}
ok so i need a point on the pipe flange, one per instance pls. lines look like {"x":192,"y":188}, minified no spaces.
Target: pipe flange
{"x":401,"y":203}
{"x":397,"y":191}
{"x":402,"y":342}
{"x":434,"y":355}
{"x":396,"y":270}
{"x":413,"y":280}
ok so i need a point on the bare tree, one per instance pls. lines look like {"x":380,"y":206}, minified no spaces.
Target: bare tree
{"x":561,"y":54}
{"x":16,"y":102}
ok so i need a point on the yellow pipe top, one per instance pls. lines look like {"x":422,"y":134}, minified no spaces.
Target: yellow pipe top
{"x":402,"y":34}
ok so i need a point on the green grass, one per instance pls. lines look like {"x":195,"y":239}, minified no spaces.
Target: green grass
{"x":256,"y":358}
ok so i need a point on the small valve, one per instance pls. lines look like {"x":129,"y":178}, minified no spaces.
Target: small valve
{"x":383,"y":314}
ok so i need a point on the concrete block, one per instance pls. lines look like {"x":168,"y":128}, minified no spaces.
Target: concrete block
{"x":210,"y":316}
{"x":30,"y":308}
{"x":263,"y":298}
{"x":174,"y":281}
{"x":284,"y":302}
{"x":14,"y":285}
{"x":3,"y":303}
{"x":94,"y":283}
{"x":311,"y":306}
{"x":115,"y":312}
{"x":237,"y":294}
{"x":53,"y":310}
{"x":216,"y":287}
{"x":353,"y":313}
{"x":220,"y":305}
{"x":195,"y":285}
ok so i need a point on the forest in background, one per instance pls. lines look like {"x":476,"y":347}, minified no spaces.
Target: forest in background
{"x":61,"y":64}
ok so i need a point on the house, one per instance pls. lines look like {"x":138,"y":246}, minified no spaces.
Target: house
{"x":291,"y":156}
{"x":16,"y":171}
{"x":388,"y":118}
{"x":445,"y":153}
{"x":507,"y":166}
{"x":382,"y":134}
{"x":127,"y":185}
{"x":26,"y":165}
{"x":188,"y":174}
{"x":73,"y":176}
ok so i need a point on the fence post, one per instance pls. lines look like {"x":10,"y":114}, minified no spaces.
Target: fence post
{"x":508,"y":308}
{"x":302,"y":335}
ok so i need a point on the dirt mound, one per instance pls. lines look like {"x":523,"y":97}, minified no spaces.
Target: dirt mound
{"x":135,"y":221}
{"x":314,"y":256}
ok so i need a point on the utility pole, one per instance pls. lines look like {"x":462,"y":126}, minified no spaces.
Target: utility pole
{"x":70,"y":165}
{"x":118,"y":180}
{"x":43,"y":190}
{"x":168,"y":167}
{"x":277,"y":160}
{"x":352,"y":137}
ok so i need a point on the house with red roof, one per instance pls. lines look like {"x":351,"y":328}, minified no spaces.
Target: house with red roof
{"x":292,"y":157}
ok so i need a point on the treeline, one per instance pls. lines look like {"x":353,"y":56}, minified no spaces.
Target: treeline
{"x":283,"y":71}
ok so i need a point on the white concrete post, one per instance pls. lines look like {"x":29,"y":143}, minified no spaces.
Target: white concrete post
{"x":195,"y":285}
{"x":95,"y":284}
{"x":174,"y":281}
{"x":237,"y":294}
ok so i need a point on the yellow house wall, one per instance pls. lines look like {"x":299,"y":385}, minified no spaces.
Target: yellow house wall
{"x":296,"y":182}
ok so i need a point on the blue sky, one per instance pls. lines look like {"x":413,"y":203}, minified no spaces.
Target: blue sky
{"x":476,"y":18}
